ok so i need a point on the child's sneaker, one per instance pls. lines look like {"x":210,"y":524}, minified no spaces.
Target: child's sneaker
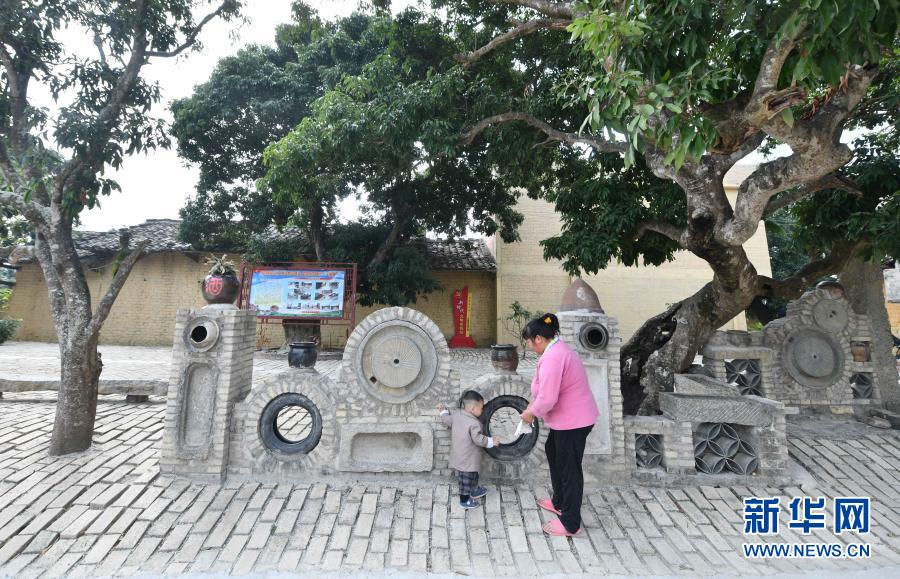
{"x":469,"y":504}
{"x":479,"y":492}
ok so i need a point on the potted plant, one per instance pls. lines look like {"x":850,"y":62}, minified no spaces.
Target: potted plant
{"x":221,"y":285}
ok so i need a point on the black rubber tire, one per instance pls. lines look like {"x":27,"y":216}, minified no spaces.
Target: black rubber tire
{"x":522,"y":446}
{"x":268,"y":429}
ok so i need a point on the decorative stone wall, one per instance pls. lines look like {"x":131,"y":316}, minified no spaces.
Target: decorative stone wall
{"x":212,"y":366}
{"x":804,"y":359}
{"x":396,"y":370}
{"x":380,"y":414}
{"x":709,"y":428}
{"x":253,"y":454}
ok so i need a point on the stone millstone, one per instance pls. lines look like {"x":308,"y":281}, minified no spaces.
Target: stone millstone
{"x":396,"y":354}
{"x":813,"y":358}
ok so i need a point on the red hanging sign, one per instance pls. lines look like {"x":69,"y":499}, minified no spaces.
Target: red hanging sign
{"x":461,"y":311}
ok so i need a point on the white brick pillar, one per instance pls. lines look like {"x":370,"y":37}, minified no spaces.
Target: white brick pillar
{"x":212,"y":368}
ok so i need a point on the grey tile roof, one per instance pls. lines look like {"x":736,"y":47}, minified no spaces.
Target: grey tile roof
{"x":95,"y":247}
{"x":162,"y":235}
{"x":459,"y":254}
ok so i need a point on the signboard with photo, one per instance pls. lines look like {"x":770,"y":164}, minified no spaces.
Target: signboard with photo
{"x":297,"y":293}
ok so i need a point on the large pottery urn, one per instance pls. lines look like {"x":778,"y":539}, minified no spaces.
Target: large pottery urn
{"x":302,"y":355}
{"x":221,"y":289}
{"x":860,"y":351}
{"x":504,"y":357}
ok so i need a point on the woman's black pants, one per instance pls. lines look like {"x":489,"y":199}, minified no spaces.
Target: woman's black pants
{"x":565,"y":450}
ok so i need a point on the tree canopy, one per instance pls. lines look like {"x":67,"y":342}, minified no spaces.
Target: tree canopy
{"x":387,"y":128}
{"x":653,"y":102}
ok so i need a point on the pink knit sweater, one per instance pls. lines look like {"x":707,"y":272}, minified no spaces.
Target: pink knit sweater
{"x":560,"y":394}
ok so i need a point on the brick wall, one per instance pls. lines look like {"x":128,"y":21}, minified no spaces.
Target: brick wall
{"x":632,"y":294}
{"x":143,"y":314}
{"x":162,"y":283}
{"x":893,"y":310}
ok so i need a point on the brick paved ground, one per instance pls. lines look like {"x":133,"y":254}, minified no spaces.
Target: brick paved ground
{"x":109,"y":512}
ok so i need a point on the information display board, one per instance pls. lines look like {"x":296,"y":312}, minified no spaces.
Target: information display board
{"x":297,"y":293}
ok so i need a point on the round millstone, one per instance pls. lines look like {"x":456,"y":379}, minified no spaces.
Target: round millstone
{"x":813,"y":358}
{"x":396,"y":361}
{"x":831,"y":315}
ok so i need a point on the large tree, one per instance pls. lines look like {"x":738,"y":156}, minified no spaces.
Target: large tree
{"x":380,"y":100}
{"x":676,"y":93}
{"x":53,"y":166}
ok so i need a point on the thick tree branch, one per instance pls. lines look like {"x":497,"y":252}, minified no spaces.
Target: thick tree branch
{"x":401,"y":219}
{"x":551,"y":9}
{"x":520,"y":31}
{"x":38,"y":215}
{"x":794,"y":286}
{"x":676,"y":234}
{"x":739,"y":119}
{"x":116,"y":285}
{"x":830,"y":181}
{"x":552,"y":134}
{"x":817,"y":153}
{"x":192,"y":35}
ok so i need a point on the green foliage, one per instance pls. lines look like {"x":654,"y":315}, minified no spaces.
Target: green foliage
{"x":220,"y":265}
{"x":252,"y":99}
{"x":786,"y":254}
{"x":8,"y":329}
{"x":835,"y":216}
{"x":600,"y":210}
{"x":371,"y":104}
{"x":83,"y":86}
{"x":658,"y":65}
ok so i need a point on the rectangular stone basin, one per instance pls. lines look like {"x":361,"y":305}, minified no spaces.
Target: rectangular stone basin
{"x":386,"y":448}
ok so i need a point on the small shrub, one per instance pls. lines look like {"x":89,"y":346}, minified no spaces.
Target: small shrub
{"x":517,"y":320}
{"x":7,"y":329}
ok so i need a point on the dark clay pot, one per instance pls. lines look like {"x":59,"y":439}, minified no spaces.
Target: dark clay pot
{"x":302,"y":355}
{"x":505,"y":357}
{"x":221,"y":289}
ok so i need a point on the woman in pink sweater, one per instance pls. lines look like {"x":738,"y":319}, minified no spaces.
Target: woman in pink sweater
{"x":561,"y":397}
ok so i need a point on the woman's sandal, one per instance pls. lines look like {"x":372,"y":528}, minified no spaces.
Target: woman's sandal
{"x":555,"y":528}
{"x":547,"y":505}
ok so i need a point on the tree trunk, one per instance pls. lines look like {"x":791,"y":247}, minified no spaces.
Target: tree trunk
{"x":864,"y":287}
{"x":76,"y":406}
{"x":667,"y":344}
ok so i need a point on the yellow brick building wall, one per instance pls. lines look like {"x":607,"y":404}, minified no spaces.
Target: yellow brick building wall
{"x":893,"y":310}
{"x":631,"y":294}
{"x":161,"y":283}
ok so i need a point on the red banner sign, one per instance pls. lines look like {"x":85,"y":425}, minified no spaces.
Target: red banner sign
{"x":461,"y":311}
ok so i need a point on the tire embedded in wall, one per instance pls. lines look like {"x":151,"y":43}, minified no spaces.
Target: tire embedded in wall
{"x":523,"y":445}
{"x":275,"y":440}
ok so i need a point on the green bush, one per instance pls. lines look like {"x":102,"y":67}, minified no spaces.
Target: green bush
{"x":7,"y":329}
